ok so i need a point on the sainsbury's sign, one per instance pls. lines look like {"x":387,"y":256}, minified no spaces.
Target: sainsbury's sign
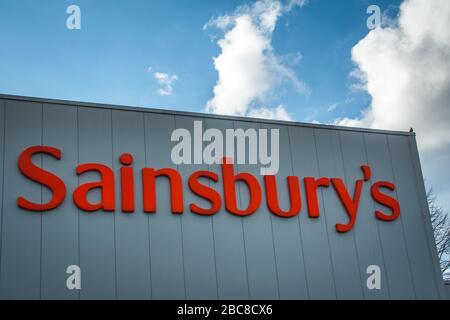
{"x":379,"y":190}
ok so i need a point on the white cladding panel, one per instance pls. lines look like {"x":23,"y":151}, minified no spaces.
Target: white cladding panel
{"x":162,"y":255}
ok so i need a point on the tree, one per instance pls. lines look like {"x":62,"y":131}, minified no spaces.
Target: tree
{"x":440,"y":223}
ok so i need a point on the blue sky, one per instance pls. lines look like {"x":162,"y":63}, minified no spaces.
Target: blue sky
{"x":108,"y":59}
{"x":404,"y":66}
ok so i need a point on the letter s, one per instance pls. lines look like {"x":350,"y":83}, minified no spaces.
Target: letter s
{"x":205,"y":192}
{"x":385,"y":200}
{"x":41,"y":176}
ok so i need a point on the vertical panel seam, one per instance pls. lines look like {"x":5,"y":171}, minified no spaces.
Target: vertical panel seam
{"x":78,"y":183}
{"x":214,"y":252}
{"x":243,"y":229}
{"x":214,"y":242}
{"x":378,"y":227}
{"x":422,"y":215}
{"x":273,"y":243}
{"x":275,"y":257}
{"x":3,"y":186}
{"x":42,"y":199}
{"x":401,"y":220}
{"x":181,"y":230}
{"x":148,"y":216}
{"x":288,"y":129}
{"x":353,"y":231}
{"x":325,"y":218}
{"x":114,"y":215}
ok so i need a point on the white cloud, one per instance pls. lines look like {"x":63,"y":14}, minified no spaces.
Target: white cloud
{"x":405,"y":68}
{"x":247,"y":67}
{"x":278,"y":113}
{"x":165,"y":80}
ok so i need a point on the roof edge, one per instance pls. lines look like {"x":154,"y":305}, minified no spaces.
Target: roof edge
{"x":199,"y":114}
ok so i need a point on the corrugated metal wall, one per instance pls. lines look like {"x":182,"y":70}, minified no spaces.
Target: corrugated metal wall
{"x":196,"y":257}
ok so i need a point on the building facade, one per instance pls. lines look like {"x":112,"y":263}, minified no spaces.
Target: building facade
{"x":151,"y":251}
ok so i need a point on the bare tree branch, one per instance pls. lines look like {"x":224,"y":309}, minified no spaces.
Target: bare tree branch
{"x":441,"y":228}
